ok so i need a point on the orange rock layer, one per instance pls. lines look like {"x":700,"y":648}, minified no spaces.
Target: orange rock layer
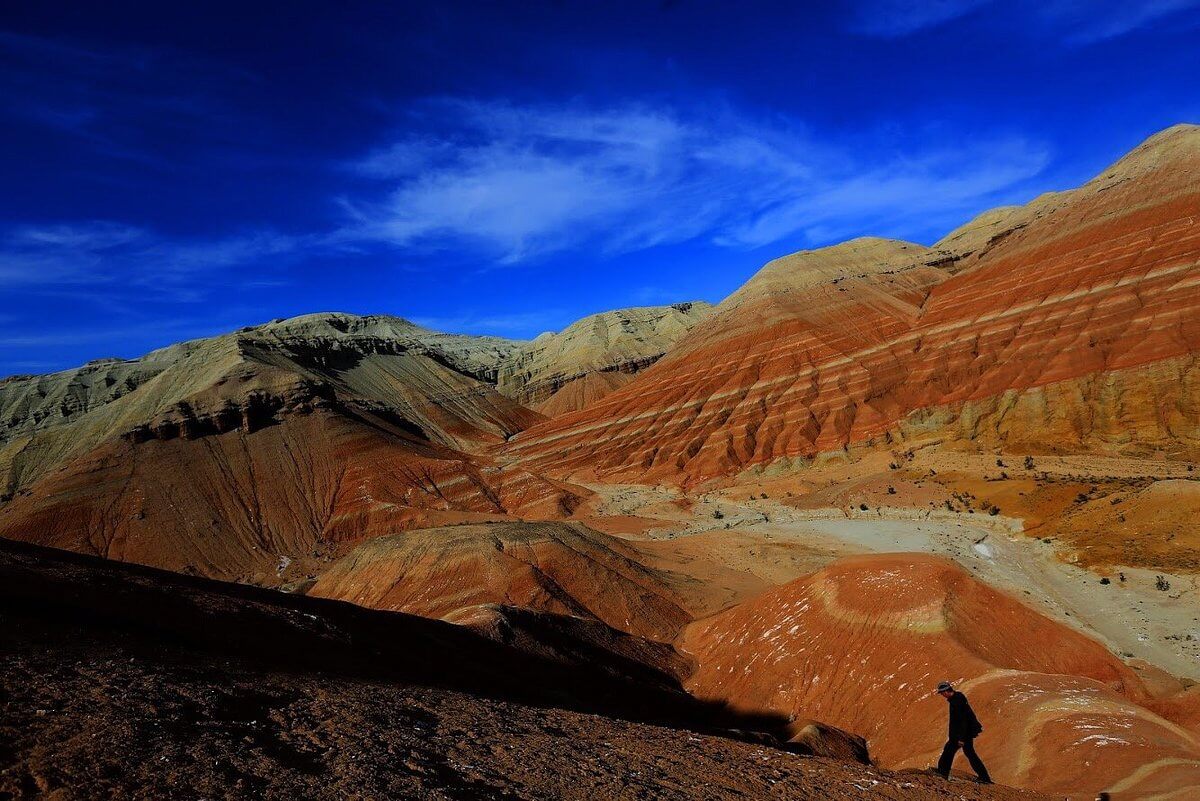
{"x":267,"y":506}
{"x":1077,"y":296}
{"x":861,"y":645}
{"x":551,"y":567}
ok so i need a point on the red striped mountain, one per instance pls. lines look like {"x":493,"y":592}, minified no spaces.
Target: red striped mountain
{"x":262,"y":454}
{"x":1070,"y":324}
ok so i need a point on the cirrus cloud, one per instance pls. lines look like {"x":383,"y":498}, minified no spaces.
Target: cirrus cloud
{"x":1077,"y":22}
{"x":97,"y":253}
{"x":518,"y":182}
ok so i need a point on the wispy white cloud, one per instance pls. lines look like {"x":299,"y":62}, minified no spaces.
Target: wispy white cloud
{"x":519,"y":182}
{"x":17,"y":343}
{"x":90,"y":236}
{"x":1087,"y":22}
{"x":934,"y":185}
{"x":79,"y":336}
{"x":1074,"y":21}
{"x":894,"y":18}
{"x":101,"y":253}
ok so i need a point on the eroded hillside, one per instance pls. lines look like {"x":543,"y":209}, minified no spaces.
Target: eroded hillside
{"x":567,"y":371}
{"x":1067,"y":325}
{"x":875,"y":466}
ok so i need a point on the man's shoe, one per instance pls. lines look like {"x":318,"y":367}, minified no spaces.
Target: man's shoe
{"x":985,"y":780}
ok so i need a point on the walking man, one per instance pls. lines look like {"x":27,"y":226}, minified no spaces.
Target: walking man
{"x":964,"y":728}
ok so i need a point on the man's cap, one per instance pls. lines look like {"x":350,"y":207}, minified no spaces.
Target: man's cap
{"x":944,"y":686}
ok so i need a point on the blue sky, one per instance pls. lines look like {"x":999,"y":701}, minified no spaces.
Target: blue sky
{"x":177,"y":170}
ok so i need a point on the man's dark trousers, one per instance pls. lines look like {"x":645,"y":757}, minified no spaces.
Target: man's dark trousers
{"x":968,"y":747}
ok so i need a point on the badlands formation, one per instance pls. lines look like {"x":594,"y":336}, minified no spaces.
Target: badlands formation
{"x":770,"y":526}
{"x":1066,"y":325}
{"x":565,"y":372}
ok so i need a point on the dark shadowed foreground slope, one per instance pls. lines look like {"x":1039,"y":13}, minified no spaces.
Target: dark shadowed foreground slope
{"x":127,"y":682}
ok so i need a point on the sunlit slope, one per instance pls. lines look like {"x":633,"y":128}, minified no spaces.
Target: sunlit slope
{"x":256,"y":455}
{"x":862,"y":643}
{"x":564,"y":568}
{"x":438,"y":385}
{"x":1068,"y":324}
{"x":562,"y":372}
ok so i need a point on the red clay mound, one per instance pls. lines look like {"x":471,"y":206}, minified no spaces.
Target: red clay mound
{"x":861,"y":644}
{"x":270,"y":506}
{"x":1070,"y":323}
{"x":563,"y":568}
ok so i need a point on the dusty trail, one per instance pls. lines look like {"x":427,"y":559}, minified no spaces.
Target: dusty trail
{"x":1133,"y":617}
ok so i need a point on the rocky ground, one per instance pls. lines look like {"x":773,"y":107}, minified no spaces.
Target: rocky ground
{"x":255,"y":695}
{"x":90,"y":726}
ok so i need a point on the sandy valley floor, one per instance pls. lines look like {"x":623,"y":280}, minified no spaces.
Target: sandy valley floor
{"x":763,"y":531}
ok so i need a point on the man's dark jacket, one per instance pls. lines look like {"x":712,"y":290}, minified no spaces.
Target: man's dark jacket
{"x":963,"y":723}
